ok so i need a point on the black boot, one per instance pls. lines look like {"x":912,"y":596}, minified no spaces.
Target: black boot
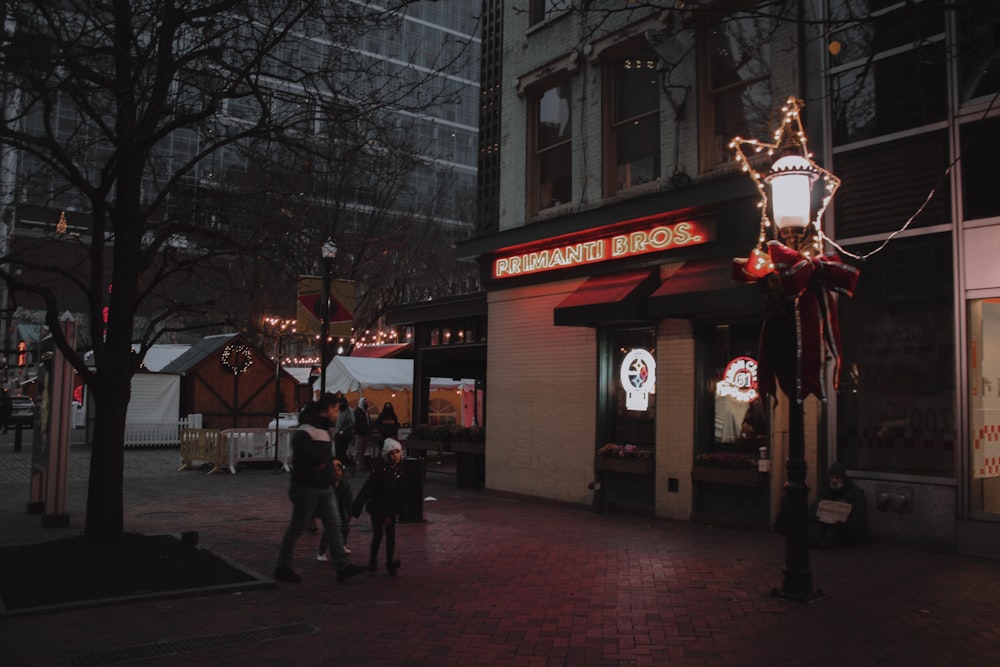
{"x":393,"y":567}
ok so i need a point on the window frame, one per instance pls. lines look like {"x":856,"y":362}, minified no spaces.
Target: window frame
{"x":712,"y":154}
{"x":611,"y":125}
{"x":536,"y":154}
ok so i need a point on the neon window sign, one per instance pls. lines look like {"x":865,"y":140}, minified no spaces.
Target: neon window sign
{"x":739,"y":381}
{"x":638,"y":377}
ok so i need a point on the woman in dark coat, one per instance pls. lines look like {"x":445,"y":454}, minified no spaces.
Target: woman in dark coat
{"x":387,"y":423}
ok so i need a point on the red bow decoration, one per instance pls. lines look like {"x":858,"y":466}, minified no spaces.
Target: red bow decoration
{"x":807,"y":284}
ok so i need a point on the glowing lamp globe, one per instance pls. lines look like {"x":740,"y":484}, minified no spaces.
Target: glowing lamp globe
{"x":791,"y":180}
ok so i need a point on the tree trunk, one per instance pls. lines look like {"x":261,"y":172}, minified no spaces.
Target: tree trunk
{"x":105,"y":505}
{"x":112,"y":386}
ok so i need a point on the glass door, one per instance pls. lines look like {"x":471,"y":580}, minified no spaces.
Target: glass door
{"x":626,"y":446}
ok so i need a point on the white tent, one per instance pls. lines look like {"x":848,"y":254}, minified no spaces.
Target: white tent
{"x":348,"y":374}
{"x":155,"y":397}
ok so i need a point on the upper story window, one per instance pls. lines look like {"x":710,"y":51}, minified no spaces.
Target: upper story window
{"x":735,"y":99}
{"x":978,"y":49}
{"x":539,"y":10}
{"x":888,"y":82}
{"x":550,"y":150}
{"x":632,"y":125}
{"x":887,"y":69}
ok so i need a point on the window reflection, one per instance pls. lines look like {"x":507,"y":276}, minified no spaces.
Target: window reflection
{"x":739,"y":69}
{"x":984,"y":404}
{"x":553,"y":147}
{"x":895,"y":409}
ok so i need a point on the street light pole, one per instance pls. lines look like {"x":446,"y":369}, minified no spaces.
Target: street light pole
{"x":329,"y":254}
{"x":800,"y":330}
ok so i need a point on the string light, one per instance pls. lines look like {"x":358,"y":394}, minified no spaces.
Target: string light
{"x":237,"y":359}
{"x":789,"y":135}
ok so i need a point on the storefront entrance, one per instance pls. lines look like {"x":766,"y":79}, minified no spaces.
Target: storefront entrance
{"x":626,"y":448}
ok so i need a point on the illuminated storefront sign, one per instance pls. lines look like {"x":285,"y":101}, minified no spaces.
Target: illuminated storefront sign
{"x":638,"y":378}
{"x":592,"y":251}
{"x":739,"y":381}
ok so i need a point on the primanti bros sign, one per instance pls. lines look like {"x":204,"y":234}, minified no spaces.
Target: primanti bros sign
{"x":618,"y":241}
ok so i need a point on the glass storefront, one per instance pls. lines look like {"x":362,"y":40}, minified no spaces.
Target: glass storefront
{"x":628,"y":413}
{"x":984,"y":406}
{"x":733,"y":427}
{"x":895,"y":407}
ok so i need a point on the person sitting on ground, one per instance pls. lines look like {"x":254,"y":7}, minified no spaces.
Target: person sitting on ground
{"x":840,"y":516}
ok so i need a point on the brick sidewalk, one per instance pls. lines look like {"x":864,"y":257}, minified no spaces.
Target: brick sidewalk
{"x":493,"y":581}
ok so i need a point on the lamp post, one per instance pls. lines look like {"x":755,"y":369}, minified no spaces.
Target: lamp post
{"x":329,"y":254}
{"x":800,"y":330}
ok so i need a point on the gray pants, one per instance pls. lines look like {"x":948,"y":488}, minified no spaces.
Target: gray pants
{"x":306,"y":503}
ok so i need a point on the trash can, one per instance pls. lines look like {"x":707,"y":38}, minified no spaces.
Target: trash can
{"x":470,"y":470}
{"x":414,"y":470}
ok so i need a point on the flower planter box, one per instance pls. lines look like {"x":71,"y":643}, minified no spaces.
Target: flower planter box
{"x":729,"y":476}
{"x":465,"y":447}
{"x":630,"y":466}
{"x":426,"y":445}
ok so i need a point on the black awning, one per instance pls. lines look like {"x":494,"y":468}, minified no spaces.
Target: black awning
{"x":704,"y":288}
{"x":607,"y":299}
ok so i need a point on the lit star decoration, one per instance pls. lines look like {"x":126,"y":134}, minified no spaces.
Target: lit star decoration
{"x":794,"y":195}
{"x":788,"y":138}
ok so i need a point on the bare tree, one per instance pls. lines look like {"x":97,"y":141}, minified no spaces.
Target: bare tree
{"x":179,"y":128}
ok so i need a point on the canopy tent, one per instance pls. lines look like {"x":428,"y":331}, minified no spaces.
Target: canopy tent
{"x":382,"y":381}
{"x":347,"y":374}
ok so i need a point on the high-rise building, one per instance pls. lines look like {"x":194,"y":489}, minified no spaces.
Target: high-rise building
{"x":383,"y":121}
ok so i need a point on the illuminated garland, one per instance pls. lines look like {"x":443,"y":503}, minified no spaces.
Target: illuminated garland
{"x":243,"y":361}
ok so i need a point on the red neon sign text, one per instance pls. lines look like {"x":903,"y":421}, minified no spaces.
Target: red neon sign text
{"x":639,"y":242}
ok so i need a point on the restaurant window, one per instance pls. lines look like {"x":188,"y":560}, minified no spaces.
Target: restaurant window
{"x":734,"y":423}
{"x":632,"y":139}
{"x":895,"y":406}
{"x":738,"y":418}
{"x":736,"y":64}
{"x":441,"y":412}
{"x":550,"y":136}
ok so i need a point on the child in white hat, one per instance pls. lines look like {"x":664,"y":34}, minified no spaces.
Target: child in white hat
{"x":384,"y":497}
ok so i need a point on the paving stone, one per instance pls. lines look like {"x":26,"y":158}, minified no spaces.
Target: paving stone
{"x":491,"y":581}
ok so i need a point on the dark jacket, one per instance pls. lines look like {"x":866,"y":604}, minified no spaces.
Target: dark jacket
{"x":344,"y":499}
{"x":856,"y":529}
{"x":312,"y":452}
{"x":384,"y":492}
{"x":388,"y":425}
{"x":362,"y":422}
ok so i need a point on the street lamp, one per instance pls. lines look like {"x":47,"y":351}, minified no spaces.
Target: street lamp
{"x":329,"y":254}
{"x":800,"y":329}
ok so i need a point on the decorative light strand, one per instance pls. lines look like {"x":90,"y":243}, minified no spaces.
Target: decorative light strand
{"x":237,"y":359}
{"x":789,"y":134}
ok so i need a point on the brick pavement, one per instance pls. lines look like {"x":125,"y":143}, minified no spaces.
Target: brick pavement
{"x":498,"y":581}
